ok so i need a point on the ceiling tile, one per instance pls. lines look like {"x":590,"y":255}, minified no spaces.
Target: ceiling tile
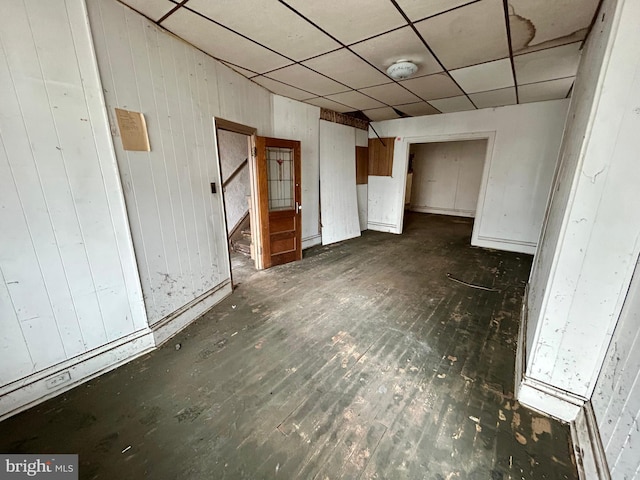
{"x":356,"y":100}
{"x":549,"y":64}
{"x":282,"y":89}
{"x":453,"y":104}
{"x":486,"y":76}
{"x":240,"y":70}
{"x":350,"y":21}
{"x":384,"y":50}
{"x":417,"y":109}
{"x":551,"y":90}
{"x":329,"y":104}
{"x":308,"y":80}
{"x":494,"y":98}
{"x":379,"y":114}
{"x":391,"y":94}
{"x":153,"y":9}
{"x":431,"y":87}
{"x":221,"y":43}
{"x":419,"y":9}
{"x":475,"y":33}
{"x":347,"y":68}
{"x":548,"y":23}
{"x":269,"y":23}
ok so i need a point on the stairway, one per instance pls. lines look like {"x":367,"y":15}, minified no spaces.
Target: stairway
{"x":243,"y":244}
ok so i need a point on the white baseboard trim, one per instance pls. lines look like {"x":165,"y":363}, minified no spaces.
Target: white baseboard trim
{"x":34,"y":389}
{"x":166,"y":328}
{"x":443,"y":211}
{"x":587,"y":446}
{"x":311,"y":241}
{"x":507,"y":245}
{"x":382,"y":227}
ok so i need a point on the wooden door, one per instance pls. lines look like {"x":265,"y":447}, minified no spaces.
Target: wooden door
{"x":278,"y":180}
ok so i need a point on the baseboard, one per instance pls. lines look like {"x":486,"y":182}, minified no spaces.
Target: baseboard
{"x":311,"y":241}
{"x":34,"y":389}
{"x":443,"y":211}
{"x":382,"y":227}
{"x":507,"y":245}
{"x":587,"y":446}
{"x":174,"y":323}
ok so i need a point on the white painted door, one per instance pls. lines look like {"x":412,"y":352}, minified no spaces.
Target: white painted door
{"x":338,"y":197}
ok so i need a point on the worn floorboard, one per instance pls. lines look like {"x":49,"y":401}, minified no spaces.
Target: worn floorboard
{"x":362,"y":361}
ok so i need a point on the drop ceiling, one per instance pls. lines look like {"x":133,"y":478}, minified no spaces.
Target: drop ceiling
{"x":334,"y":53}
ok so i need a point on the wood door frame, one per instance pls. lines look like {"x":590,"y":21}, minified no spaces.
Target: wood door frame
{"x":254,"y":210}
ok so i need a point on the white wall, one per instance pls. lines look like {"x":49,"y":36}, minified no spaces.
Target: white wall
{"x":69,"y":289}
{"x":362,"y":190}
{"x":177,"y":223}
{"x":616,"y":399}
{"x":234,"y":150}
{"x":294,"y":120}
{"x":338,"y":194}
{"x":590,"y":246}
{"x":447,"y":177}
{"x":522,"y":151}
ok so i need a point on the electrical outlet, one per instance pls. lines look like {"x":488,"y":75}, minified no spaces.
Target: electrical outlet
{"x":58,"y":380}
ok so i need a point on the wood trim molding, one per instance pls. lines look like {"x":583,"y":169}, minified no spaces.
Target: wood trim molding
{"x":230,"y":126}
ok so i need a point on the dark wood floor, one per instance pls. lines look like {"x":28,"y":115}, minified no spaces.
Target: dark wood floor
{"x":364,"y":360}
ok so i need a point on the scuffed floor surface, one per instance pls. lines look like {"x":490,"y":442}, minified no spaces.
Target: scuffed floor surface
{"x":361,"y":361}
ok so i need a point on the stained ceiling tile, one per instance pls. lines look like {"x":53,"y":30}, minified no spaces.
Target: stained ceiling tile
{"x":453,"y":104}
{"x":153,"y":9}
{"x":419,"y":9}
{"x":391,"y":94}
{"x":486,"y":76}
{"x":380,"y":114}
{"x":350,"y":21}
{"x":548,"y":23}
{"x":282,"y":88}
{"x":494,"y":98}
{"x":347,"y":68}
{"x":329,"y":104}
{"x":475,"y":33}
{"x":384,"y":50}
{"x":308,"y":80}
{"x":356,"y":100}
{"x":276,"y":26}
{"x":551,"y":90}
{"x":417,"y":109}
{"x":549,"y":64}
{"x":222,"y":43}
{"x":431,"y":87}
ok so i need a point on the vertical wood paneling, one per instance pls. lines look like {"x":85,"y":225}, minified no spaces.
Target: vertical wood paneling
{"x":338,"y":197}
{"x":616,"y":399}
{"x":68,"y":278}
{"x":177,"y":223}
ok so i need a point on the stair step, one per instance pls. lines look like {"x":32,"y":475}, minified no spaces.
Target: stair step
{"x":246,"y":233}
{"x":242,"y":246}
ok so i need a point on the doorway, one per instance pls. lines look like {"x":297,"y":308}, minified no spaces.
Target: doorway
{"x":261,"y":192}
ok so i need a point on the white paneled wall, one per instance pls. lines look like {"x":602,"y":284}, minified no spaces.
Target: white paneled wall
{"x":447,"y":177}
{"x":616,"y":399}
{"x":68,"y":281}
{"x":177,"y":223}
{"x":517,"y":177}
{"x":338,"y":194}
{"x":233,"y":149}
{"x":299,"y":121}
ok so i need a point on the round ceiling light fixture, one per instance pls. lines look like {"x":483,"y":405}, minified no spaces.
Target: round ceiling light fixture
{"x":402,"y":69}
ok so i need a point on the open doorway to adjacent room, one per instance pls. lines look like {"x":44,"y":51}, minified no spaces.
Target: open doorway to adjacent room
{"x":446,"y":177}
